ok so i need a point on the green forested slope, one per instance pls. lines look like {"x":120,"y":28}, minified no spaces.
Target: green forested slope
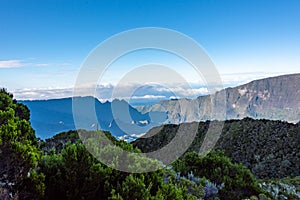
{"x":270,"y":149}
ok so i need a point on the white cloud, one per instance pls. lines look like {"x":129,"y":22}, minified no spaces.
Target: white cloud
{"x":149,"y":97}
{"x":135,"y":92}
{"x":22,"y":63}
{"x":173,"y":97}
{"x":11,"y":63}
{"x":42,"y":65}
{"x":181,"y":91}
{"x":106,"y":92}
{"x":42,"y":93}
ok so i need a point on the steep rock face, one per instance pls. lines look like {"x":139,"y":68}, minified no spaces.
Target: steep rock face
{"x":271,"y":98}
{"x":275,"y":98}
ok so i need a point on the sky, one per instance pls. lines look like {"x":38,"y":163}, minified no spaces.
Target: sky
{"x":43,"y":44}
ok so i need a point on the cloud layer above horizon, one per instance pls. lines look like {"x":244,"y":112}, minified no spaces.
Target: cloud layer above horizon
{"x":137,"y":93}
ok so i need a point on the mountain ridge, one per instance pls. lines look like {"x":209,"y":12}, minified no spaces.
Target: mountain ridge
{"x":52,"y":116}
{"x":274,"y":98}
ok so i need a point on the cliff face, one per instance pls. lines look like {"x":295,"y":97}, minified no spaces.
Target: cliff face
{"x":271,"y":98}
{"x":276,"y":98}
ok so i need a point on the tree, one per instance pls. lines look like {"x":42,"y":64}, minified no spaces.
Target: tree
{"x":215,"y":166}
{"x":19,"y":153}
{"x":73,"y":173}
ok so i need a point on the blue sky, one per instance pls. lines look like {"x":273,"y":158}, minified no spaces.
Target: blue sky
{"x":43,"y":43}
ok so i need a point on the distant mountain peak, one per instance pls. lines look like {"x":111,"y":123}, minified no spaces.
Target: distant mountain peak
{"x":52,"y":116}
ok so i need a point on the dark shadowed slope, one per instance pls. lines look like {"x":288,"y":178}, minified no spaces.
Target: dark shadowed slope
{"x":270,"y":149}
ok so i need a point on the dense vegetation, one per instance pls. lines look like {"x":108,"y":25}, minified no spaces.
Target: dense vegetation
{"x":237,"y":180}
{"x":270,"y":149}
{"x":62,"y":168}
{"x":19,"y":153}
